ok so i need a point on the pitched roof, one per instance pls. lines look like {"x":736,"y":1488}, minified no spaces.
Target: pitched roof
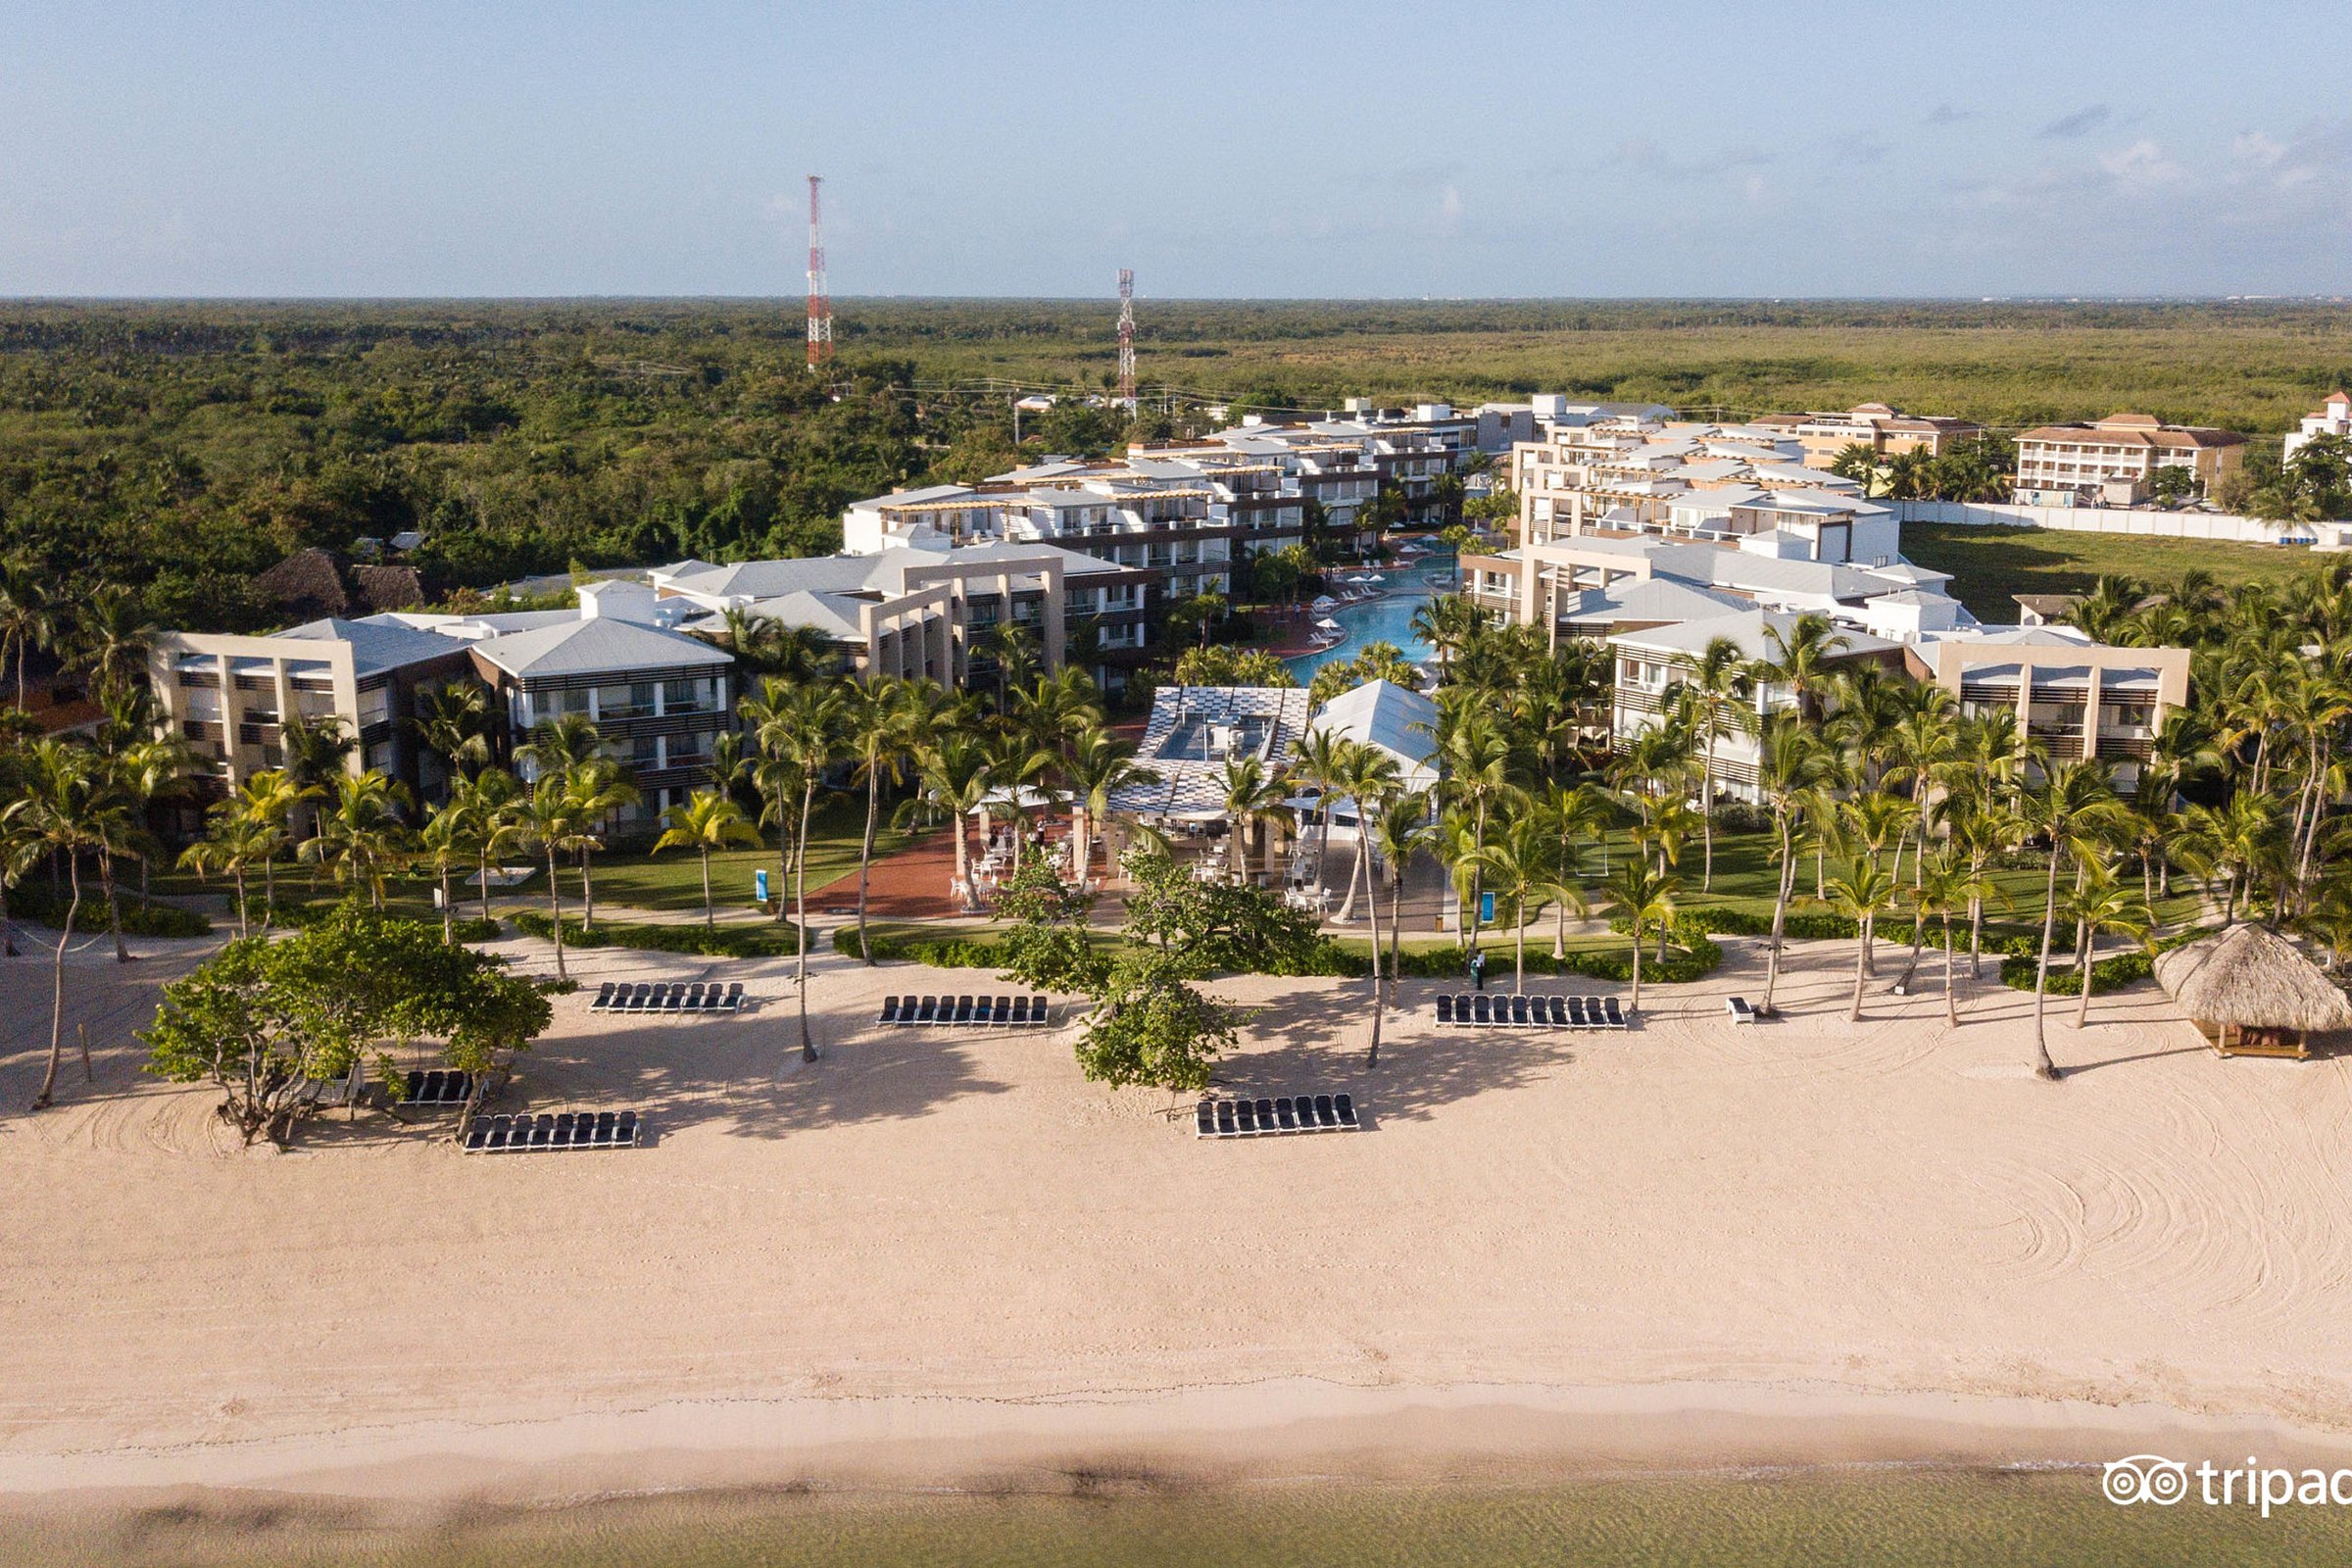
{"x":307,"y":579}
{"x":1379,"y":713}
{"x":597,"y":647}
{"x":375,"y":646}
{"x":2252,"y":976}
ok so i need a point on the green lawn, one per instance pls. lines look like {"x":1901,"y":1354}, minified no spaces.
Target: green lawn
{"x":1988,"y":564}
{"x":635,"y":879}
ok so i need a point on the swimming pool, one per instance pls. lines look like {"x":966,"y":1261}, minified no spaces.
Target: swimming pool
{"x":1386,"y":619}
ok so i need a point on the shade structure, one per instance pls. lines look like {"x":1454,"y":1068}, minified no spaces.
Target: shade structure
{"x":2251,"y":991}
{"x":1329,"y":624}
{"x":1324,"y":602}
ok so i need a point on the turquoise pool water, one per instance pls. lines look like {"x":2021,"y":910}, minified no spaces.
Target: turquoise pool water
{"x":1386,"y":619}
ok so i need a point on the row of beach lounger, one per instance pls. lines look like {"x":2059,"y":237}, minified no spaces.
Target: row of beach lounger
{"x":1283,"y":1113}
{"x":438,"y":1086}
{"x":667,"y":996}
{"x":1531,"y":1012}
{"x":585,"y":1129}
{"x":1010,"y":1013}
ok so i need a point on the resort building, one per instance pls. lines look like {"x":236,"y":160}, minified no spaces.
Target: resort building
{"x":916,"y":602}
{"x":2111,"y":461}
{"x":1598,"y":584}
{"x":2332,"y":417}
{"x":1625,"y":476}
{"x":1392,"y":720}
{"x":2078,"y":698}
{"x":1879,"y":429}
{"x":230,"y":696}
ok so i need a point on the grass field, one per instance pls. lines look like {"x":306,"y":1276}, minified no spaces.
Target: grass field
{"x":1989,"y":565}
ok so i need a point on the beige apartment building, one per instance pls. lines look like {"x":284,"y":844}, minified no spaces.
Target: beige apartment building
{"x":2110,"y":461}
{"x":2079,"y":698}
{"x":1883,"y":430}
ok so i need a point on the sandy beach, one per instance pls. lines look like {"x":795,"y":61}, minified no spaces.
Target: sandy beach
{"x":945,"y":1255}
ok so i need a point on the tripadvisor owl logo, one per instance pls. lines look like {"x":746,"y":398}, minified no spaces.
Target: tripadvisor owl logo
{"x":2151,"y":1478}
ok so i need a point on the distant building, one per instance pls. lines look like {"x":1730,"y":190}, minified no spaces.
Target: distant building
{"x":1883,"y":431}
{"x":2079,"y":699}
{"x":2333,"y":416}
{"x":2111,"y":461}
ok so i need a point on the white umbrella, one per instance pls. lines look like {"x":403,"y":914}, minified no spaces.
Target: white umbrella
{"x":1329,"y":624}
{"x":1323,"y":602}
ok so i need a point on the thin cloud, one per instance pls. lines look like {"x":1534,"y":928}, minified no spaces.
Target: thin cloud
{"x":2081,"y":123}
{"x":1950,"y":114}
{"x":1651,"y":159}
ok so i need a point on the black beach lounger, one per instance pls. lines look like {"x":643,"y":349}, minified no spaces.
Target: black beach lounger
{"x":1266,"y":1115}
{"x":1285,"y":1117}
{"x":675,"y":1000}
{"x":600,"y":1135}
{"x":694,"y":997}
{"x":1036,"y":1009}
{"x":1205,"y":1119}
{"x":963,"y":1010}
{"x":1519,"y":1011}
{"x":1003,"y":1010}
{"x":1245,"y":1117}
{"x":1325,"y":1115}
{"x":713,"y":995}
{"x":563,"y":1134}
{"x":1555,"y":1012}
{"x":1576,"y":1014}
{"x":624,"y":1130}
{"x":734,"y":1002}
{"x":984,"y":1011}
{"x":1594,"y":1018}
{"x":890,"y":1010}
{"x":1445,"y":1009}
{"x":929,"y":1012}
{"x":604,"y":997}
{"x":1616,"y":1018}
{"x":1345,"y":1105}
{"x":543,"y":1130}
{"x":477,"y":1137}
{"x":1227,"y":1127}
{"x":1483,"y":1008}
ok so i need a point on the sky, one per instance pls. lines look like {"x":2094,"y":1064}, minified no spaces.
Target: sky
{"x":1329,"y":150}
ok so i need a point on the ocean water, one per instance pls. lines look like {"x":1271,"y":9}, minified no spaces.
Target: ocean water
{"x":1866,"y":1518}
{"x":1386,"y":619}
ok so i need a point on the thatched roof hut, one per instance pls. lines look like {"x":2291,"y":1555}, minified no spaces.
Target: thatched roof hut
{"x":2250,"y":991}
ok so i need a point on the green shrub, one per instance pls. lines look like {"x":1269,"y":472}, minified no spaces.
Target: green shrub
{"x":2017,"y":970}
{"x":767,"y":939}
{"x":939,"y":952}
{"x":38,"y":905}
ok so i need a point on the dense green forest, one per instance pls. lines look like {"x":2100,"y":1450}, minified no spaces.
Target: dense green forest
{"x":182,"y":447}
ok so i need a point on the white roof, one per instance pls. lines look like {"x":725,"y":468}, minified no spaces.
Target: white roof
{"x":1400,"y":721}
{"x":1745,"y":628}
{"x":1191,"y":785}
{"x":597,"y":647}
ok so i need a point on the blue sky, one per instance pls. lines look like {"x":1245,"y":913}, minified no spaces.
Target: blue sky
{"x":1272,"y":149}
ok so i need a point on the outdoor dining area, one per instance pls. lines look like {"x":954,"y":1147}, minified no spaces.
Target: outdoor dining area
{"x":2250,"y":992}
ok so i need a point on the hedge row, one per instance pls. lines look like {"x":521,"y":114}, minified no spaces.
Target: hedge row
{"x":769,"y":939}
{"x":39,"y":906}
{"x":939,"y":952}
{"x":2017,"y":970}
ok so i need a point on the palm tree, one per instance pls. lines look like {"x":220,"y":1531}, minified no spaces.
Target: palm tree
{"x":481,"y":805}
{"x":266,"y":799}
{"x":1949,"y":885}
{"x":1098,"y":766}
{"x":709,"y":819}
{"x":314,"y":751}
{"x":1402,"y":828}
{"x":1320,"y":764}
{"x":955,"y":781}
{"x":2103,"y":902}
{"x":1860,"y":893}
{"x":558,"y":744}
{"x":599,"y":787}
{"x":1251,"y":794}
{"x":1575,"y":812}
{"x":1790,"y":766}
{"x":1476,"y":757}
{"x":1801,"y":655}
{"x":27,"y":620}
{"x":454,"y":722}
{"x":1445,"y":621}
{"x":2070,"y":809}
{"x":113,"y":635}
{"x":546,"y":819}
{"x":444,"y":842}
{"x":51,"y":814}
{"x":1642,"y":893}
{"x":799,"y":734}
{"x":1525,"y":869}
{"x":1366,"y":774}
{"x":1721,"y":689}
{"x":364,"y":835}
{"x":232,"y":844}
{"x":878,"y":721}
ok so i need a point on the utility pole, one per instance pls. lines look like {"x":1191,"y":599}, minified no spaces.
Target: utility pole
{"x":1127,"y":338}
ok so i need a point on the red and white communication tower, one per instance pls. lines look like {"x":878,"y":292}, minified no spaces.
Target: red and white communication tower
{"x":1127,"y":337}
{"x":820,"y":309}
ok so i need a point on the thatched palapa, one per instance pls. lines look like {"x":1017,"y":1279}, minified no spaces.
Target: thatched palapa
{"x":2249,"y":990}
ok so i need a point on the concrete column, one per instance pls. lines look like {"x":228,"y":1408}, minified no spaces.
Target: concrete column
{"x":1051,"y":619}
{"x":2091,"y":716}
